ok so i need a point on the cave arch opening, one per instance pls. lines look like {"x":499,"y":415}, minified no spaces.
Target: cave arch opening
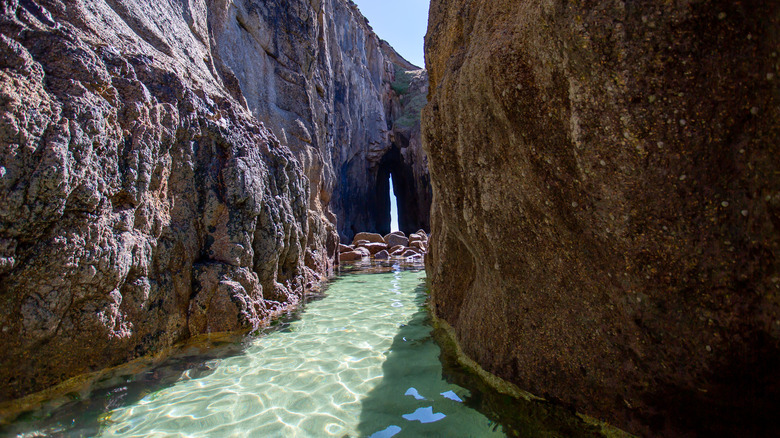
{"x":396,"y":187}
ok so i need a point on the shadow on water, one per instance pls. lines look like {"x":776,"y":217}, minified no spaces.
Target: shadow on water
{"x":407,"y":373}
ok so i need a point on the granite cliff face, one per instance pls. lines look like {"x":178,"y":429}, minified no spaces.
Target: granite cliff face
{"x":343,"y":100}
{"x":169,"y":169}
{"x":607,"y":203}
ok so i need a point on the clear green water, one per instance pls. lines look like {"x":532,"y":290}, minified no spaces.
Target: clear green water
{"x":359,"y":363}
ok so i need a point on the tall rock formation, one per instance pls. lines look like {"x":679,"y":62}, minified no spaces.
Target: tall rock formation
{"x":343,"y":100}
{"x":606,"y":213}
{"x":171,"y":169}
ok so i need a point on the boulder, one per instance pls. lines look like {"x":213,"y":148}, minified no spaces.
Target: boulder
{"x":346,"y":248}
{"x":375,"y":247}
{"x":382,"y":255}
{"x":395,"y":240}
{"x":396,"y":248}
{"x":414,"y":237}
{"x":360,"y":242}
{"x":350,"y":256}
{"x":363,"y":251}
{"x":410,"y":252}
{"x":419,"y":244}
{"x":371,"y":237}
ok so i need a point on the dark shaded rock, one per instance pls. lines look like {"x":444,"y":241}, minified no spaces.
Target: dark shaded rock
{"x":363,"y":199}
{"x":624,"y":155}
{"x":382,"y":255}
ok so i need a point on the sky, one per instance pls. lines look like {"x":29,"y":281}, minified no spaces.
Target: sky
{"x":393,"y":208}
{"x":402,"y":23}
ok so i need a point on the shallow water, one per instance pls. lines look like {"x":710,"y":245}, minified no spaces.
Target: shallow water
{"x":360,"y":362}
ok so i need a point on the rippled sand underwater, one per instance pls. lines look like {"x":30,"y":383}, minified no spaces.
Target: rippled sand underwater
{"x":359,"y":363}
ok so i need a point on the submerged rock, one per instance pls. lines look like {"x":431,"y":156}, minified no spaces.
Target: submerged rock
{"x":590,"y":164}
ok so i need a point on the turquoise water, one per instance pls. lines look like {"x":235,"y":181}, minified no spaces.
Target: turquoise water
{"x":359,"y":363}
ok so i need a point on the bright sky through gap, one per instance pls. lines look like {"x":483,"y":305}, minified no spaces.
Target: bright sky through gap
{"x":393,"y":208}
{"x":402,"y":23}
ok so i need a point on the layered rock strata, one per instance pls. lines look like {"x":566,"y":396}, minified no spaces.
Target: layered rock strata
{"x":607,"y":203}
{"x":169,"y":169}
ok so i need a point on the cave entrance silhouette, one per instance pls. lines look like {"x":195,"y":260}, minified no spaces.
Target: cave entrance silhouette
{"x":393,"y":170}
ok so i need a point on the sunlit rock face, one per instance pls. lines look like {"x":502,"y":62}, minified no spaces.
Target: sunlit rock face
{"x":172,"y":168}
{"x":606,"y":204}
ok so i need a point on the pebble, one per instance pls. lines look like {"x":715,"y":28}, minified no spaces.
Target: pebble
{"x":682,"y":177}
{"x":744,"y":213}
{"x":724,"y":203}
{"x":709,"y":348}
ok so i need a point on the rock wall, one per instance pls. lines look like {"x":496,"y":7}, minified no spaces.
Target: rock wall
{"x":607,"y":202}
{"x":168,"y":169}
{"x":343,"y":100}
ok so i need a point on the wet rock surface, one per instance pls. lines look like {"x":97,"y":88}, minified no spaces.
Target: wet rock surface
{"x":606,"y":205}
{"x":368,"y":246}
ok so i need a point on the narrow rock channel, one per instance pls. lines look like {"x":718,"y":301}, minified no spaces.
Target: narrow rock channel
{"x":360,"y":362}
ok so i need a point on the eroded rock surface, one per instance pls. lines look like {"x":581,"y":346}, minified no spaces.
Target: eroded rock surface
{"x":607,"y":202}
{"x":168,"y":169}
